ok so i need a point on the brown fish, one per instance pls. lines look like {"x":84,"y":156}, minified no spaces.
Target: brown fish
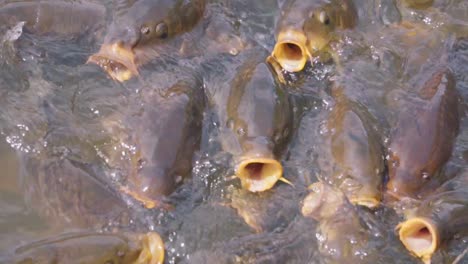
{"x":435,"y":222}
{"x":423,"y":138}
{"x":166,"y":131}
{"x":258,"y":122}
{"x":68,"y":192}
{"x":60,"y":17}
{"x":134,"y":37}
{"x":306,"y":28}
{"x":357,"y":153}
{"x":85,"y":247}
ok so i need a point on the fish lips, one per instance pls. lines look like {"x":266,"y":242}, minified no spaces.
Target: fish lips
{"x":290,"y":50}
{"x":258,"y":174}
{"x":117,"y":61}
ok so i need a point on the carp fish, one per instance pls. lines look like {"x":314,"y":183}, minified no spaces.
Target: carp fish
{"x":133,"y":37}
{"x":305,"y":28}
{"x":423,"y":138}
{"x":258,"y":123}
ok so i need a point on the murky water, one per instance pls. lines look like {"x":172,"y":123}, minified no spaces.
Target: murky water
{"x":55,"y":108}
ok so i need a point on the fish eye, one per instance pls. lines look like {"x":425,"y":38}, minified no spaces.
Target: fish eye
{"x":324,"y":18}
{"x":145,"y":30}
{"x":162,"y":30}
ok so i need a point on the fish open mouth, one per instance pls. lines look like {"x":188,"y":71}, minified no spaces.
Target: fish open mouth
{"x":420,"y":236}
{"x":152,"y":249}
{"x":361,"y":193}
{"x":259,"y":174}
{"x":117,"y":61}
{"x":368,"y":202}
{"x":290,"y":51}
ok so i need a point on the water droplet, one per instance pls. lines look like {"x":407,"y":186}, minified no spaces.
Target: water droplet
{"x":425,"y":175}
{"x":233,"y":51}
{"x":323,"y":129}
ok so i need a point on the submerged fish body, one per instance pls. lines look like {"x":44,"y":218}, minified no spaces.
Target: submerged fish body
{"x":165,"y":130}
{"x":134,"y":37}
{"x":257,"y":123}
{"x":59,"y":17}
{"x":339,"y":223}
{"x":423,"y":138}
{"x":357,"y":153}
{"x":68,"y":192}
{"x":98,"y":248}
{"x":306,"y":28}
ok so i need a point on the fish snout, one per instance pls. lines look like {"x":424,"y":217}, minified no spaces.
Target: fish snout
{"x":149,"y":186}
{"x":125,"y":37}
{"x":154,"y":182}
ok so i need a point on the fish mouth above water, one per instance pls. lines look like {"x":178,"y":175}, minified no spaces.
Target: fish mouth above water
{"x":117,"y":61}
{"x":259,"y":174}
{"x":420,"y":236}
{"x":365,"y":196}
{"x":290,"y":51}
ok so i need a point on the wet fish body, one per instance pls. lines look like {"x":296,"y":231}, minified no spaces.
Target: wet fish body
{"x":69,"y":193}
{"x":257,"y":124}
{"x":166,"y":131}
{"x":423,"y":138}
{"x":357,"y":153}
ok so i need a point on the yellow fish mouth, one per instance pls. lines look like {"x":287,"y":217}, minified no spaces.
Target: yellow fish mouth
{"x":259,"y":174}
{"x":117,"y":61}
{"x":368,"y":202}
{"x":290,"y":51}
{"x":420,"y":236}
{"x":152,"y":249}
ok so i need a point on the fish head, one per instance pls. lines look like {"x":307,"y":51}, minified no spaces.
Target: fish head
{"x":406,"y":178}
{"x":149,"y":185}
{"x":318,"y":29}
{"x":325,"y":20}
{"x":290,"y":48}
{"x":133,"y":37}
